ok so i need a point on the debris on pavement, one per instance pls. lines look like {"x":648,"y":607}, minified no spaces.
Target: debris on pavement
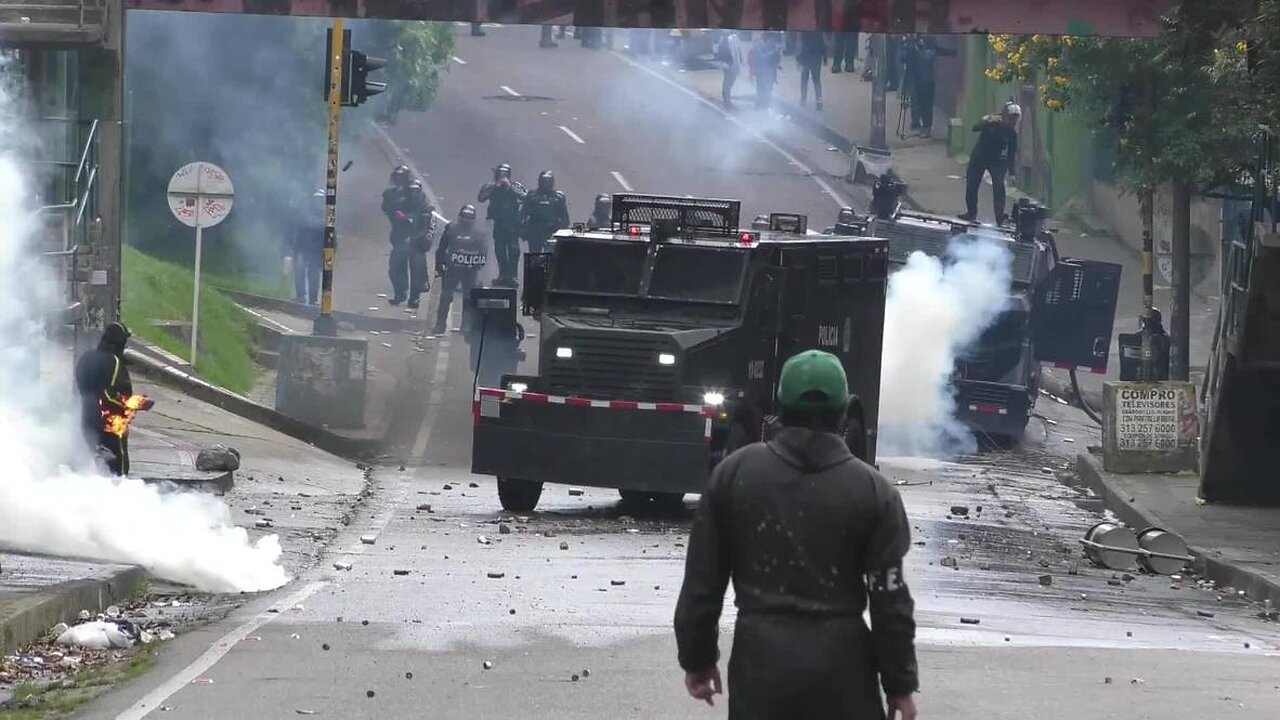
{"x":487,"y":665}
{"x":341,"y":565}
{"x":400,"y":572}
{"x":575,"y":492}
{"x":218,"y":458}
{"x":496,"y":575}
{"x":1046,"y":580}
{"x":504,"y":529}
{"x":564,"y":545}
{"x":950,"y":562}
{"x":960,"y":510}
{"x":969,"y":621}
{"x":96,"y":635}
{"x":368,"y":539}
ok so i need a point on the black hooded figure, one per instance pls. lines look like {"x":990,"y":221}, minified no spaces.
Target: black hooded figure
{"x":103,"y":383}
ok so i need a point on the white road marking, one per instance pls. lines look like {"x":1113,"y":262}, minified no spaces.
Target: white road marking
{"x":508,"y":91}
{"x":823,"y":184}
{"x":152,"y":700}
{"x":622,"y":181}
{"x":459,"y":60}
{"x":573,"y":135}
{"x":434,"y":402}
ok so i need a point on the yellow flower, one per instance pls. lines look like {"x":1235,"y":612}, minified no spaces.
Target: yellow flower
{"x":1053,"y":104}
{"x":999,"y":46}
{"x":1052,"y":63}
{"x":1060,"y":81}
{"x":1068,"y":41}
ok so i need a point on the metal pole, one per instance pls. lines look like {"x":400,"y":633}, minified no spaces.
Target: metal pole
{"x":325,"y":324}
{"x":195,"y":302}
{"x":1146,"y":369}
{"x":879,"y":50}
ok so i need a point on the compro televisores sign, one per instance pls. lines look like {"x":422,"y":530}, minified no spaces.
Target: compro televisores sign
{"x":1150,"y":427}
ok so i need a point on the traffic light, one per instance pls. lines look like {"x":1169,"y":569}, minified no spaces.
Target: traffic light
{"x":361,"y":87}
{"x":356,"y":86}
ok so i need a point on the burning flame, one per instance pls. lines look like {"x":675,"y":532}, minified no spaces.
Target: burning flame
{"x":117,"y":423}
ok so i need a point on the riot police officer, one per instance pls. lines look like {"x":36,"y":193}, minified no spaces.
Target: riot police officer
{"x":504,"y":196}
{"x":462,"y":252}
{"x":419,"y":244}
{"x":398,"y":204}
{"x":601,"y":214}
{"x":545,"y":212}
{"x":847,"y":223}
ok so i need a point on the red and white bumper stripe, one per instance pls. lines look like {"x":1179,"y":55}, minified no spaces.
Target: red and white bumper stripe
{"x":706,"y":411}
{"x":987,"y":409}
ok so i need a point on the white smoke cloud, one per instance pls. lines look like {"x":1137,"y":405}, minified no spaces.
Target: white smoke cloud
{"x":936,"y":307}
{"x":52,"y":500}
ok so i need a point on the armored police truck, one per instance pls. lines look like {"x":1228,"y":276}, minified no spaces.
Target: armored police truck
{"x":660,"y":345}
{"x":1060,"y":311}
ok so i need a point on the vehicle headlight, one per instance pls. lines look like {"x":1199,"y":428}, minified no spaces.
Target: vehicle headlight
{"x":713,"y":398}
{"x":666,"y":359}
{"x":518,"y":387}
{"x":564,"y":353}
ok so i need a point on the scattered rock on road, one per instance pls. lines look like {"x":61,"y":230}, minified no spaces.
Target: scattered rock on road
{"x":564,"y":545}
{"x":487,"y":665}
{"x":949,"y":561}
{"x":341,"y":565}
{"x":496,"y":575}
{"x":218,"y":458}
{"x":960,"y":510}
{"x":504,"y":529}
{"x":400,"y":572}
{"x":368,"y":539}
{"x":969,"y":621}
{"x":1046,"y":580}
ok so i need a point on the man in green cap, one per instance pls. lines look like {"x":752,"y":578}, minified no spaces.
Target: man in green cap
{"x":810,"y":536}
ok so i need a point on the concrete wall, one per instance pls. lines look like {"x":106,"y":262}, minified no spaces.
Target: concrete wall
{"x":1119,"y":213}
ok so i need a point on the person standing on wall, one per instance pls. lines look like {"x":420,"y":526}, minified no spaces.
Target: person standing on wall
{"x":995,"y":154}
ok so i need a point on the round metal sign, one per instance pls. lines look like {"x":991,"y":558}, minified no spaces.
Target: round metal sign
{"x":200,"y":194}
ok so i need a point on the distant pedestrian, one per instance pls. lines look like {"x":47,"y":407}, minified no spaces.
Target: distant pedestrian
{"x":729,"y":54}
{"x":921,"y":82}
{"x":306,"y":249}
{"x":765,"y":60}
{"x":812,"y":57}
{"x":811,"y":538}
{"x":546,"y":41}
{"x":844,"y":51}
{"x":994,"y":154}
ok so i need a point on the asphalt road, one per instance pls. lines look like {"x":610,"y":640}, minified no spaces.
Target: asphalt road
{"x":446,"y":615}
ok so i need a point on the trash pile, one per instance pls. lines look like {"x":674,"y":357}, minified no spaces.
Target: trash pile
{"x":92,"y":642}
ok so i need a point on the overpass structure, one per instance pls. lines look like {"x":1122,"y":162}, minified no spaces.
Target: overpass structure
{"x":70,"y":58}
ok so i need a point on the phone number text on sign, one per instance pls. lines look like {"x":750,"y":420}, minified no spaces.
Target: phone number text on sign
{"x":1147,"y":420}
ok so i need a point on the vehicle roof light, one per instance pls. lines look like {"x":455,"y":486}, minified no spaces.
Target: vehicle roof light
{"x":634,"y":231}
{"x":747,"y":238}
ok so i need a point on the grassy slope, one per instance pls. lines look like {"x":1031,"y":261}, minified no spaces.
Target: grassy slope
{"x":156,"y":290}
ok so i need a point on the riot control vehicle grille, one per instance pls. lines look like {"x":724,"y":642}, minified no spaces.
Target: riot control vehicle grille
{"x":614,"y":365}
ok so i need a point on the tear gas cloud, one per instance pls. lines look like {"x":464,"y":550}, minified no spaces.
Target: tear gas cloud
{"x":935,"y":308}
{"x":52,"y":500}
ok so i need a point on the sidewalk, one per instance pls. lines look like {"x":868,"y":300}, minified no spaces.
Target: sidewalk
{"x":284,"y":486}
{"x":1236,"y":547}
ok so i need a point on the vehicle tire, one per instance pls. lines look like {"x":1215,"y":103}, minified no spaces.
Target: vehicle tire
{"x":518,"y":495}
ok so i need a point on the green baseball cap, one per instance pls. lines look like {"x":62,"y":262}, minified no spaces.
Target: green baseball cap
{"x":813,"y":379}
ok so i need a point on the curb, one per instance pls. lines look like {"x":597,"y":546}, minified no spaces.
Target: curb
{"x":28,"y":618}
{"x":326,"y":440}
{"x":1224,"y":572}
{"x":289,"y":307}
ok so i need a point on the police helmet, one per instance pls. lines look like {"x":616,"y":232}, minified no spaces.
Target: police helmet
{"x":401,"y":175}
{"x":546,"y":181}
{"x":468,"y":212}
{"x":1012,"y":109}
{"x":414,"y":185}
{"x":502,"y":169}
{"x":846,"y":216}
{"x":813,"y":380}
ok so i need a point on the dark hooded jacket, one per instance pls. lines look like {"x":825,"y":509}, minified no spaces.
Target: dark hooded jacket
{"x":102,"y":379}
{"x":809,"y":535}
